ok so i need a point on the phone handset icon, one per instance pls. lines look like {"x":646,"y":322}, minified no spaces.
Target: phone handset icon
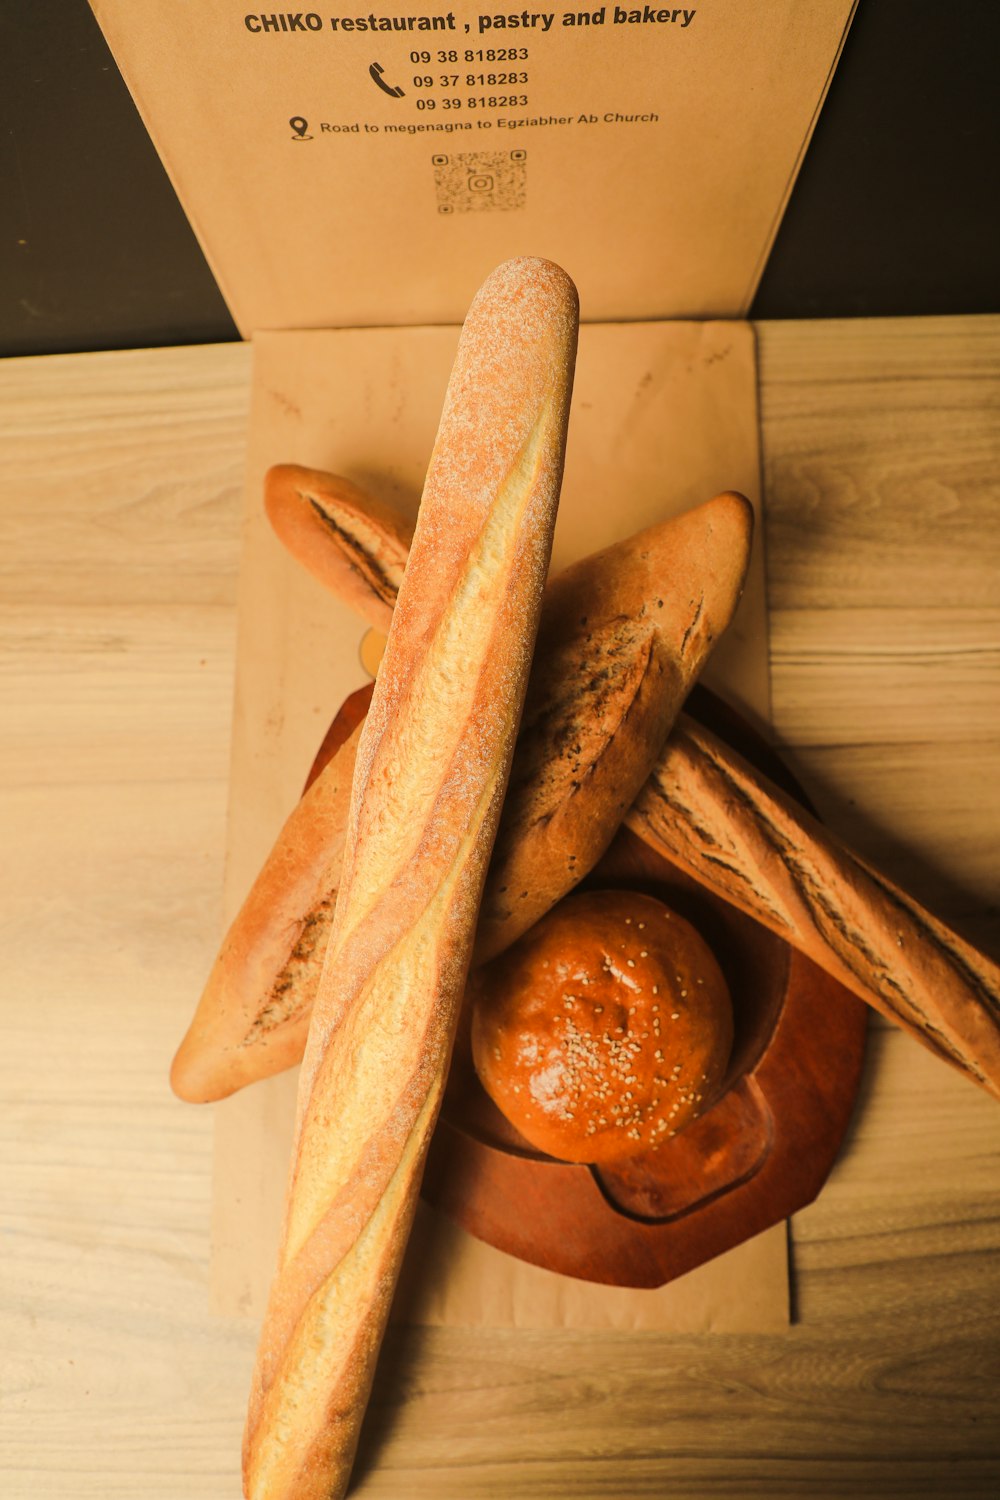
{"x":376,"y":72}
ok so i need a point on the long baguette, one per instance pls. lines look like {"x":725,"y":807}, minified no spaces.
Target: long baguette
{"x":706,"y":810}
{"x":623,"y":635}
{"x":432,"y":765}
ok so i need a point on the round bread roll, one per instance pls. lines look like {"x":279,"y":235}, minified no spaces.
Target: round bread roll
{"x":604,"y":1030}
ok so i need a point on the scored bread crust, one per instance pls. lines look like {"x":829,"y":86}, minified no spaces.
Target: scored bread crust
{"x":623,"y":634}
{"x":353,"y":543}
{"x":431,"y":770}
{"x":273,"y":951}
{"x":709,"y":812}
{"x":933,"y":984}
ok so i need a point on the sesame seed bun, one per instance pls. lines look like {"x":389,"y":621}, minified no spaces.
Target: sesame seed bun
{"x":604,"y":1030}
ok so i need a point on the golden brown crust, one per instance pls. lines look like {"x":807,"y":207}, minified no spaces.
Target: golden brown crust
{"x":431,"y":771}
{"x":253,"y":1015}
{"x":350,"y":541}
{"x":605,"y":1029}
{"x":623,"y":635}
{"x":709,"y":812}
{"x":683,"y":575}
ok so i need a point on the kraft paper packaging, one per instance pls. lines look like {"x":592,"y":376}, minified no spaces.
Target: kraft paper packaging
{"x":350,"y":167}
{"x":664,"y":416}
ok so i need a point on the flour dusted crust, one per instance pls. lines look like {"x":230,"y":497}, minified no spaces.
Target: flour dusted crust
{"x":430,"y":775}
{"x":603,"y":1031}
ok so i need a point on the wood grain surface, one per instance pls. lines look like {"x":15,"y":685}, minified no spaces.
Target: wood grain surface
{"x":119,"y":548}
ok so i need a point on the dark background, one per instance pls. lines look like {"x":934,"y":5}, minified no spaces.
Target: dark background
{"x":896,"y":209}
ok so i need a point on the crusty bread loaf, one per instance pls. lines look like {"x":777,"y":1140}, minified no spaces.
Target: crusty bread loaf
{"x":605,"y":1029}
{"x":431,"y":772}
{"x":252,"y":1019}
{"x":709,"y":812}
{"x":623,"y":635}
{"x":349,"y":715}
{"x":350,"y":541}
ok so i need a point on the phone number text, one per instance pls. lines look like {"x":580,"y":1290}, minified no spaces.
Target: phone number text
{"x":470,"y":55}
{"x":474,"y":101}
{"x":472,"y":80}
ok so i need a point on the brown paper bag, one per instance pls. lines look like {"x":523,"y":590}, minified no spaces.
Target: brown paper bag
{"x":664,"y":416}
{"x":351,"y":167}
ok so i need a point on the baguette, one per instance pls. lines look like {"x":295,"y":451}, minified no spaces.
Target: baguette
{"x":273,"y":951}
{"x":348,"y":540}
{"x":707,"y":811}
{"x":623,"y":635}
{"x":432,"y":765}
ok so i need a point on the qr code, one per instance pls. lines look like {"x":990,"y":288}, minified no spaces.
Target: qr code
{"x":480,"y":181}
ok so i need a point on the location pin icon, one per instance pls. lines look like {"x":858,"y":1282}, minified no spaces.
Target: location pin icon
{"x":299,"y":125}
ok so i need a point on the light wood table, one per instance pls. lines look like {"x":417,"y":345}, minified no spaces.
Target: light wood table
{"x":120,"y":547}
